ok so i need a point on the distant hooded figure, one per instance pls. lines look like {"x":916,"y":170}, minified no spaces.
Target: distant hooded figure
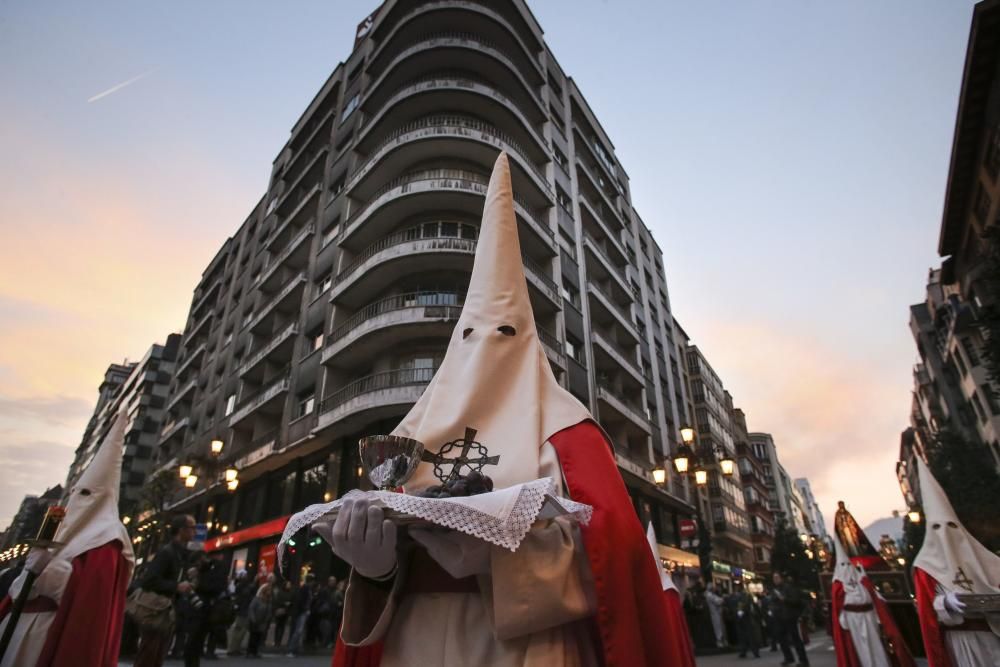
{"x":862,"y":623}
{"x":952,"y":562}
{"x":76,"y":607}
{"x":569,"y":595}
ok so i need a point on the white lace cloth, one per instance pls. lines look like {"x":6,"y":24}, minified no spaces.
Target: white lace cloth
{"x":501,"y":517}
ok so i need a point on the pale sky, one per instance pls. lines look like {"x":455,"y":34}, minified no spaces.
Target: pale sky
{"x":789,"y":157}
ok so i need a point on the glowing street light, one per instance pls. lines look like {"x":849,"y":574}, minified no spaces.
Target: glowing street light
{"x":659,"y":474}
{"x":185,"y":471}
{"x":217,"y":446}
{"x":190,"y":481}
{"x":913,"y":516}
{"x":231,"y":474}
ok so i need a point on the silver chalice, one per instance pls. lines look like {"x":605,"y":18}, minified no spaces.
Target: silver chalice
{"x":389,"y":460}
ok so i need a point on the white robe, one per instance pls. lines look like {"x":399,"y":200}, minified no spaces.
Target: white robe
{"x":32,"y":629}
{"x":715,"y":612}
{"x":863,"y":626}
{"x":968,"y":649}
{"x":531,"y":609}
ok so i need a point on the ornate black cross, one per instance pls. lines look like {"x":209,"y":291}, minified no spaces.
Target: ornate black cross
{"x":962,"y":581}
{"x":467,"y":444}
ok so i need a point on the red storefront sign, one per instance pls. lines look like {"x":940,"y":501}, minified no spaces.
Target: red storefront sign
{"x":261,"y":530}
{"x":265,"y":560}
{"x":688,"y":527}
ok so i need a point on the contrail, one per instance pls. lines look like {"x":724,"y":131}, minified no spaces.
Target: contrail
{"x":121,"y":85}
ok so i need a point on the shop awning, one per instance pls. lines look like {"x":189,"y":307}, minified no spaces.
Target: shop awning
{"x":260,"y":531}
{"x":679,"y":556}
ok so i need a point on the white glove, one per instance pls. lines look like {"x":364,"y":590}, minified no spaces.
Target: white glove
{"x":953,"y":604}
{"x":37,"y":560}
{"x":363,"y":537}
{"x":459,"y":554}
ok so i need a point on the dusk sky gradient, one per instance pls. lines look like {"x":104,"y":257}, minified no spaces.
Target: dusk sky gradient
{"x":790,"y":158}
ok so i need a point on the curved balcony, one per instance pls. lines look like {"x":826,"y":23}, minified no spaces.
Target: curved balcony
{"x":453,"y":90}
{"x":460,"y":138}
{"x":391,"y":321}
{"x":441,"y":50}
{"x":374,"y":397}
{"x":615,"y":407}
{"x":446,"y":189}
{"x":410,"y":252}
{"x":429,"y":14}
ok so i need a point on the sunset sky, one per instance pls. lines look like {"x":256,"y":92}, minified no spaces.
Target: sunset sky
{"x":789,"y":157}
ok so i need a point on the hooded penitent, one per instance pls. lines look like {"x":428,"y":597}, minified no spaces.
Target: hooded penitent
{"x":92,"y":518}
{"x":495,"y":378}
{"x":954,"y":558}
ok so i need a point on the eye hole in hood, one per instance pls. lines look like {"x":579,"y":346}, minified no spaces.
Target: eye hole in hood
{"x":507,"y":330}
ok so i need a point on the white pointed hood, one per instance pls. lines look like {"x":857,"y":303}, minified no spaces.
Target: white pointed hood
{"x":497,"y":384}
{"x":92,"y":509}
{"x":956,"y":560}
{"x":665,"y":579}
{"x":844,"y":570}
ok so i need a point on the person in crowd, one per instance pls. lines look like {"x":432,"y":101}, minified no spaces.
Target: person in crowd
{"x":299,"y":614}
{"x":281,"y":602}
{"x":340,"y":590}
{"x":182,"y":616}
{"x":244,"y":590}
{"x":258,"y":619}
{"x":792,"y":604}
{"x":747,"y":614}
{"x":715,"y":602}
{"x":209,"y":586}
{"x":321,"y":613}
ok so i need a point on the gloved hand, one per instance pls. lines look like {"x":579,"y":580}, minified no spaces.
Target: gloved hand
{"x":37,"y":560}
{"x":953,"y":604}
{"x":459,"y":554}
{"x":363,"y":537}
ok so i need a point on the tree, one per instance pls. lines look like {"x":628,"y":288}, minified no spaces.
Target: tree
{"x":789,"y":556}
{"x":158,"y":490}
{"x":966,"y":472}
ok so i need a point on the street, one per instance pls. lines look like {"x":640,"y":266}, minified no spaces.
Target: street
{"x":820,"y":651}
{"x":266,"y":659}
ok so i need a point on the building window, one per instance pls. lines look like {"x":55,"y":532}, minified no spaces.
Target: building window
{"x":230,"y":404}
{"x":316,"y":341}
{"x":978,"y":405}
{"x":563,"y":199}
{"x":349,"y":108}
{"x":561,"y":158}
{"x":337,"y":187}
{"x":574,"y":349}
{"x":306,"y":405}
{"x":970,"y":351}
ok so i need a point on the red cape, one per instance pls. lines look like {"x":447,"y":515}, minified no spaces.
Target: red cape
{"x":87,"y":629}
{"x":847,"y":656}
{"x":631,"y":612}
{"x":677,"y":625}
{"x":937,"y":652}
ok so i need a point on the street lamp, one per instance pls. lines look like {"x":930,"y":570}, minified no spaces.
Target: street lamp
{"x":659,"y":475}
{"x":190,"y":481}
{"x":232,"y":484}
{"x":231,"y":474}
{"x":682,"y":459}
{"x":913,"y":516}
{"x":185,"y":471}
{"x":727,"y":465}
{"x":217,"y":446}
{"x":700,"y":476}
{"x":687,"y":434}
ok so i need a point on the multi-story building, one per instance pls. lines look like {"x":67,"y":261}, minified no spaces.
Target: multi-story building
{"x":751,"y":460}
{"x":713,"y":410}
{"x":810,"y":508}
{"x":143,"y":395}
{"x":114,"y":377}
{"x":326,"y":314}
{"x":25,"y":524}
{"x":952,"y":388}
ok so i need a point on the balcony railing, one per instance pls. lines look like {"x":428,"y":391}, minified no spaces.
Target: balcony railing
{"x":275,"y":388}
{"x":403,"y":377}
{"x":394,"y":303}
{"x":398,"y":238}
{"x":183,"y":391}
{"x":471,"y":177}
{"x":278,"y":260}
{"x":463,"y":123}
{"x":172,"y":428}
{"x":604,"y":391}
{"x":291,"y":330}
{"x":292,"y":284}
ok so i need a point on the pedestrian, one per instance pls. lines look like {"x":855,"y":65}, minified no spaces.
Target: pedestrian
{"x":259,"y":617}
{"x":321,"y":612}
{"x":793,"y":604}
{"x":715,"y":602}
{"x":209,"y":585}
{"x":281,"y":601}
{"x":770,"y":613}
{"x":339,"y":594}
{"x":299,"y":614}
{"x":163,"y":577}
{"x":182,"y":617}
{"x":244,"y":590}
{"x":747,"y":614}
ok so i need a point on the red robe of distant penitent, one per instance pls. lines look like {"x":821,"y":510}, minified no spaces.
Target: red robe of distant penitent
{"x":631,"y":605}
{"x":87,"y":627}
{"x":846,"y":654}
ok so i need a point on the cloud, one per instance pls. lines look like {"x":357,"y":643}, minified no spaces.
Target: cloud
{"x":835,"y":414}
{"x":30,"y":467}
{"x":50,"y":410}
{"x":123,"y":84}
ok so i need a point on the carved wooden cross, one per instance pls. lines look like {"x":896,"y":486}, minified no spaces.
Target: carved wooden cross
{"x":467,"y":443}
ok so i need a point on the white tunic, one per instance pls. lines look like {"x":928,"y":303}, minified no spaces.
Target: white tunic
{"x":968,"y":649}
{"x":863,"y":626}
{"x":32,"y":629}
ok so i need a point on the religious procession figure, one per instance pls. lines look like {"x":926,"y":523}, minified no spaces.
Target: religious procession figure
{"x":951,"y":565}
{"x":570,"y":594}
{"x":76,"y":606}
{"x":864,"y":631}
{"x":854,"y":541}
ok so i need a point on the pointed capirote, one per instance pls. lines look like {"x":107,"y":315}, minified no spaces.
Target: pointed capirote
{"x":495,"y":377}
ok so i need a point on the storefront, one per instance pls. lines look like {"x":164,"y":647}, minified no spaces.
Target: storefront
{"x":253,"y":549}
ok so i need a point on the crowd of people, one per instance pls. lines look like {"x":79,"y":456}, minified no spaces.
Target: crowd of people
{"x":237,"y":614}
{"x":779,"y":618}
